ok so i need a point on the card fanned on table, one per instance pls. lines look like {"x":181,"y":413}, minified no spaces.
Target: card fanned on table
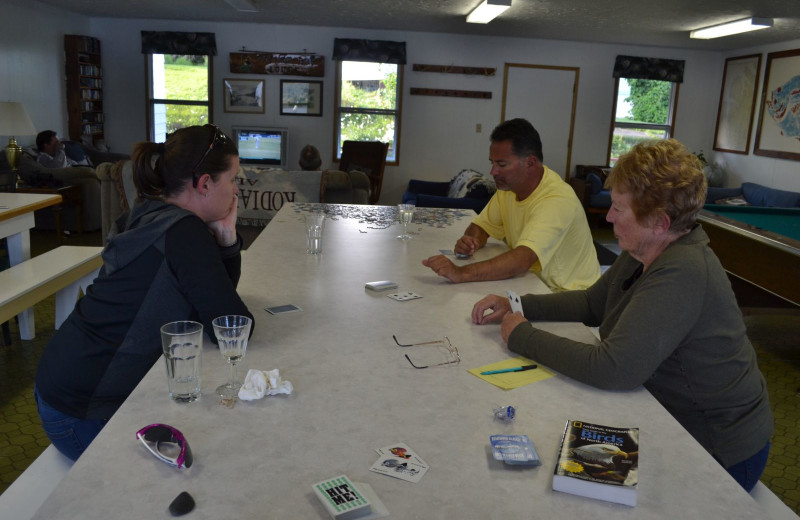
{"x":599,"y":462}
{"x":341,"y":498}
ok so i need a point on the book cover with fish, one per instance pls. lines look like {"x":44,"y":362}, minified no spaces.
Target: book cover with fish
{"x":599,"y":462}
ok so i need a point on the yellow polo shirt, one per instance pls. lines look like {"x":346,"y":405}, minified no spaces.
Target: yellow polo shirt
{"x":552,"y":223}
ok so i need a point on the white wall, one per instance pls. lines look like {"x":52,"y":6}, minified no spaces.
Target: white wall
{"x":777,"y":173}
{"x":438,"y":136}
{"x":32,"y":62}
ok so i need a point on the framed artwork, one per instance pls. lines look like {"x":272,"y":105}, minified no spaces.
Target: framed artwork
{"x":737,"y":104}
{"x":244,"y":95}
{"x":301,"y":98}
{"x":778,"y":132}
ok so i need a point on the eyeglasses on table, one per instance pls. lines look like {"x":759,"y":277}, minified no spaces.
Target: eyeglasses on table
{"x":452,"y":351}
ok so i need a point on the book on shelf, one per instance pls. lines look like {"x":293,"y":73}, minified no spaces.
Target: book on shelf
{"x":599,"y":462}
{"x":341,"y":498}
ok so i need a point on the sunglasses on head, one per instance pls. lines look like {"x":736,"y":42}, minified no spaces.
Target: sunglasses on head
{"x":167,"y":444}
{"x":217,"y":138}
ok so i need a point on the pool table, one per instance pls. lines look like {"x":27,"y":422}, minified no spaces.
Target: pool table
{"x":759,"y":245}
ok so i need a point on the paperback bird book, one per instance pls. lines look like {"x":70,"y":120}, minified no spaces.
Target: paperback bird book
{"x":599,"y":462}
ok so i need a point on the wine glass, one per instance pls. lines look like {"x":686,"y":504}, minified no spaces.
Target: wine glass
{"x":406,"y":212}
{"x":232,"y":333}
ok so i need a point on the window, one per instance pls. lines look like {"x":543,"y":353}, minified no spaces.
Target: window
{"x":644,"y":109}
{"x":368,"y":101}
{"x":180,"y":93}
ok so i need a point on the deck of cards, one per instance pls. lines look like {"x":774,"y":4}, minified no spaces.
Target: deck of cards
{"x":399,"y":461}
{"x":515,"y":449}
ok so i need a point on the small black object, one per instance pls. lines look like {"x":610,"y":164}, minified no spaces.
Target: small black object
{"x":182,"y":504}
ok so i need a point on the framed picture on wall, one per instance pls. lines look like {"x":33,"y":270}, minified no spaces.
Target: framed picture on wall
{"x":301,"y":98}
{"x":737,"y":104}
{"x":244,"y":95}
{"x":778,"y":132}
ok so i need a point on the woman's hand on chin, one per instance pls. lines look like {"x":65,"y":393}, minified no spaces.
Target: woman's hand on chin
{"x":224,"y":229}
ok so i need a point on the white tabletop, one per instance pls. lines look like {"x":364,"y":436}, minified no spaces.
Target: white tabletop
{"x":355,"y":392}
{"x":16,"y":220}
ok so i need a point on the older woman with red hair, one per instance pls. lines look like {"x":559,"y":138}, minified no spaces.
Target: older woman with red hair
{"x":667,"y":316}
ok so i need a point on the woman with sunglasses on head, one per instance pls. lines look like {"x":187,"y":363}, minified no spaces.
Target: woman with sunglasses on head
{"x":174,"y":256}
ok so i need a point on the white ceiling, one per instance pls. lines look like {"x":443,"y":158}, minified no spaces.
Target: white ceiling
{"x":663,"y":23}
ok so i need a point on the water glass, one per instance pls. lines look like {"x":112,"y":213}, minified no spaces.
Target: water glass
{"x":182,"y":342}
{"x":315,"y":225}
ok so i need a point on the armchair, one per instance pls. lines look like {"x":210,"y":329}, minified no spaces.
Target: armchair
{"x":368,"y":157}
{"x":588,"y":185}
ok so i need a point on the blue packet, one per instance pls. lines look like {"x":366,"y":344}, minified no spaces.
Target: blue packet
{"x":515,"y":449}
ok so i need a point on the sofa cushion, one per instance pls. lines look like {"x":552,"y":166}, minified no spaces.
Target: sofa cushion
{"x":464,"y":181}
{"x":758,"y":195}
{"x":595,"y":183}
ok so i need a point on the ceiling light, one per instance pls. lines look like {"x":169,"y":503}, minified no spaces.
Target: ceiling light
{"x":726,"y":29}
{"x":245,"y":6}
{"x":488,"y":10}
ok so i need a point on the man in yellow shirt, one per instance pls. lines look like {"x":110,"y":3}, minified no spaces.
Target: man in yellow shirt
{"x":534,"y":211}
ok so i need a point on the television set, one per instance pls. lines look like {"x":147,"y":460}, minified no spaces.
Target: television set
{"x":262,"y":146}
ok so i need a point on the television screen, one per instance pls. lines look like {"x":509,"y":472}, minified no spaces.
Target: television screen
{"x":265,"y":146}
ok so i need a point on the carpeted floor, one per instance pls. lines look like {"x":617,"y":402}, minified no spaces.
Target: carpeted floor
{"x":774,"y":335}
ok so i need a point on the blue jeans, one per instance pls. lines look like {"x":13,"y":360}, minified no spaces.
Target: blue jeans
{"x":747,"y":472}
{"x":68,"y":434}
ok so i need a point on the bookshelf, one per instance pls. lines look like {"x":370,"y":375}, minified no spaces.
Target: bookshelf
{"x":84,"y":87}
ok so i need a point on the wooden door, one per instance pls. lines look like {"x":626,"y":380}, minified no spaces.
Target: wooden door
{"x":546,"y":96}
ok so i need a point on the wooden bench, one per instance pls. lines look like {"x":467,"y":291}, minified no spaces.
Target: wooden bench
{"x":63,"y":271}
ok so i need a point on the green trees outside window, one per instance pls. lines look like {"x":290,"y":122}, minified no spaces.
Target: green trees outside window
{"x":645,"y":110}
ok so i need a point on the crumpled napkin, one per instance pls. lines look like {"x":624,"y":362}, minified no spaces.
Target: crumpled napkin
{"x":258,"y":383}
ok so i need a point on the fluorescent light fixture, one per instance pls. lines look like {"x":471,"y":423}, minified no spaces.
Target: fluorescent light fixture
{"x":488,"y":10}
{"x":726,"y":29}
{"x":245,"y":6}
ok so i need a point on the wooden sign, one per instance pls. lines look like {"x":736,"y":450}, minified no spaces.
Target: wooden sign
{"x":451,"y":93}
{"x":454,"y":69}
{"x":286,"y":64}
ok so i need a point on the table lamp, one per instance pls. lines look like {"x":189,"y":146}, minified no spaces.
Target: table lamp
{"x":14,"y":121}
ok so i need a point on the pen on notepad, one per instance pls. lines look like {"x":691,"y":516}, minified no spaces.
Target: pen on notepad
{"x":505,"y":370}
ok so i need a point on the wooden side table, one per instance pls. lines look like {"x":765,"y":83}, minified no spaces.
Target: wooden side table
{"x":70,"y":194}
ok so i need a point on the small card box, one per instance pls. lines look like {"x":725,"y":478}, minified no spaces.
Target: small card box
{"x":382,"y":285}
{"x":341,"y":498}
{"x":515,"y":449}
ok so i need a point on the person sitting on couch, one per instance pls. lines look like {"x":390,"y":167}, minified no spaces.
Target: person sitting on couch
{"x":310,"y":159}
{"x":51,"y":151}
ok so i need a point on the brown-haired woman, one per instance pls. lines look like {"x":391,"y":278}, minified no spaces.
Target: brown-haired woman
{"x":174,"y":256}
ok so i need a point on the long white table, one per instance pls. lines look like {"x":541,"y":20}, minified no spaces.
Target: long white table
{"x":16,"y":220}
{"x":355,"y":392}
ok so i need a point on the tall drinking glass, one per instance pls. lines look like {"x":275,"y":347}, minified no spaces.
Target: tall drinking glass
{"x":182,"y":342}
{"x":406,"y":213}
{"x":232,"y":333}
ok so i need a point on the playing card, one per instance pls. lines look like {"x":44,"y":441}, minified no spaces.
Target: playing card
{"x":398,"y":467}
{"x":280,"y":309}
{"x":516,"y":304}
{"x":401,"y":451}
{"x":446,"y":251}
{"x":404,"y":296}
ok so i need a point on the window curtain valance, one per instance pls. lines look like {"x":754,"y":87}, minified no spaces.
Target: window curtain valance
{"x":170,"y":42}
{"x":635,"y":67}
{"x":380,"y":51}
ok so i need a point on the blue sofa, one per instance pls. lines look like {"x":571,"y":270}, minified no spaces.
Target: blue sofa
{"x":472,"y":190}
{"x":754,"y":195}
